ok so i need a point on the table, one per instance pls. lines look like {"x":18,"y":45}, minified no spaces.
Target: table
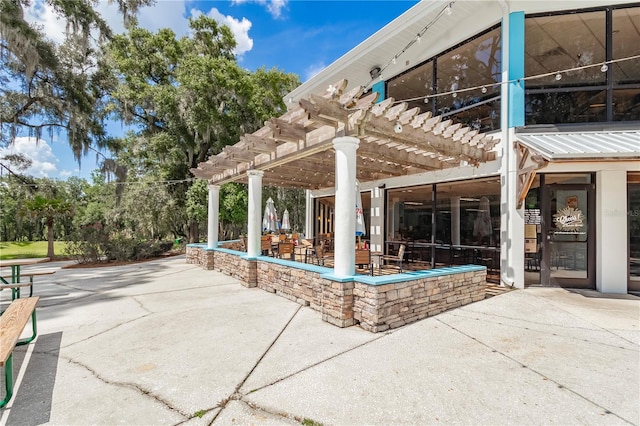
{"x":303,"y":249}
{"x":15,"y":265}
{"x":379,"y":255}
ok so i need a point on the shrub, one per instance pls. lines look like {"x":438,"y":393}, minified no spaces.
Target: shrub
{"x":88,"y":244}
{"x":93,"y":244}
{"x":152,"y":249}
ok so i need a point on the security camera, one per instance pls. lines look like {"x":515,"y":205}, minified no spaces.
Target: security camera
{"x":397,"y":128}
{"x":375,"y":72}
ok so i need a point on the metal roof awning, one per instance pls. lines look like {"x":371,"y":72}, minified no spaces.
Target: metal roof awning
{"x":296,"y":149}
{"x":607,"y":145}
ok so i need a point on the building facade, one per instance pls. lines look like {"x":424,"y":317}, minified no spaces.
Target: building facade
{"x":560,"y":88}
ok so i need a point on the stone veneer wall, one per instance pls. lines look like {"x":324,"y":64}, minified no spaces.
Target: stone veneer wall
{"x":237,"y":266}
{"x":377,"y":303}
{"x":193,"y":254}
{"x":333,"y":299}
{"x":380,"y":307}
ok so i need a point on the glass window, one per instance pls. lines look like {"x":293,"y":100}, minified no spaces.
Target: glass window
{"x":560,"y":42}
{"x":473,"y":64}
{"x":626,"y":104}
{"x":409,"y":214}
{"x":460,"y":208}
{"x":565,"y":107}
{"x":468,"y":213}
{"x":484,"y":116}
{"x":634,"y":231}
{"x":415,"y":83}
{"x":626,"y":43}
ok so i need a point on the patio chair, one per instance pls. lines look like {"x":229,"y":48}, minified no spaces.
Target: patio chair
{"x":285,"y":249}
{"x":363,"y":259}
{"x":397,"y":259}
{"x":319,"y":254}
{"x":265,"y":245}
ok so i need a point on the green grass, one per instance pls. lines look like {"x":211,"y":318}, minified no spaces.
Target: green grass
{"x":28,"y":249}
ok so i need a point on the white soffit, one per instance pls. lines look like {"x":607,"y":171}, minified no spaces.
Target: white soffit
{"x":586,"y":145}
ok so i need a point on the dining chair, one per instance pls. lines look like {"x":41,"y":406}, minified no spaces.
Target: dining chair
{"x":285,"y":250}
{"x":319,"y":253}
{"x":265,"y":244}
{"x":363,"y":259}
{"x":397,"y":259}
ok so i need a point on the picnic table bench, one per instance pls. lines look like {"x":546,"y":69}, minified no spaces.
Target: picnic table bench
{"x":15,"y":287}
{"x":12,"y":323}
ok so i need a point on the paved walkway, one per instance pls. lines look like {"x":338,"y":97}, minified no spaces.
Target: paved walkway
{"x":166,"y":343}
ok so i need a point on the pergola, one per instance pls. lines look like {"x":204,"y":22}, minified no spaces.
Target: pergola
{"x":331,"y":140}
{"x":295,"y":150}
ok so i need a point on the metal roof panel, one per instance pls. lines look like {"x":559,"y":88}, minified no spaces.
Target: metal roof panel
{"x":577,"y":146}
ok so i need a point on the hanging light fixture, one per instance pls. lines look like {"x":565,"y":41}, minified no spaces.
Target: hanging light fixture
{"x":604,"y":67}
{"x":484,"y":89}
{"x":558,"y":76}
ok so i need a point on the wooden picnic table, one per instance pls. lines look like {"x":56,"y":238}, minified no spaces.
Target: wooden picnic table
{"x":15,"y":265}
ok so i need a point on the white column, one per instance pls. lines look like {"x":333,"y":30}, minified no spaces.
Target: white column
{"x":254,"y":224}
{"x":345,"y":209}
{"x":377,"y":217}
{"x":511,"y":218}
{"x":455,"y":220}
{"x":213,"y":214}
{"x":309,"y":219}
{"x":611,"y":231}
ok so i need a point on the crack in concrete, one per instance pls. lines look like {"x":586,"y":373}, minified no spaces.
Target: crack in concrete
{"x":560,"y":385}
{"x":385,"y":334}
{"x":511,"y":325}
{"x":133,"y":386}
{"x":239,"y":396}
{"x":106,"y":331}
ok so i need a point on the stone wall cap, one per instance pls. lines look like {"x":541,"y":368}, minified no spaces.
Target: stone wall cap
{"x":417,"y":275}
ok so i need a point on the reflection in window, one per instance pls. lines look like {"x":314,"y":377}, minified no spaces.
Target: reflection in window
{"x":565,"y":107}
{"x":415,"y":83}
{"x":626,"y":43}
{"x":626,"y":104}
{"x":579,"y":39}
{"x":565,"y":41}
{"x":475,"y":63}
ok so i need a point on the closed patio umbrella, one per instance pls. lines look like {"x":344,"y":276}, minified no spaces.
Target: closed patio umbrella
{"x":360,"y":225}
{"x":285,"y":220}
{"x":270,"y":218}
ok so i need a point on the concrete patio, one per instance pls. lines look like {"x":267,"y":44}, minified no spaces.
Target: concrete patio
{"x":165,"y":342}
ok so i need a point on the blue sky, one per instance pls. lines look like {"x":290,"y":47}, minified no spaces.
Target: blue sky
{"x":297,"y":36}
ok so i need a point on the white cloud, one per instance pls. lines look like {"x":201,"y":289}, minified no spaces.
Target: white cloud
{"x":42,"y":157}
{"x":66,"y":174}
{"x":163,"y":14}
{"x":273,"y":6}
{"x":312,"y":70}
{"x":43,"y":15}
{"x":239,"y":28}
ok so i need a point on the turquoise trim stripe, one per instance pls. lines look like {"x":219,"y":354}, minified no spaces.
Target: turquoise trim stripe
{"x":379,"y":87}
{"x":516,"y":69}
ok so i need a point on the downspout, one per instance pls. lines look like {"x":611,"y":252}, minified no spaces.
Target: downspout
{"x":504,"y":135}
